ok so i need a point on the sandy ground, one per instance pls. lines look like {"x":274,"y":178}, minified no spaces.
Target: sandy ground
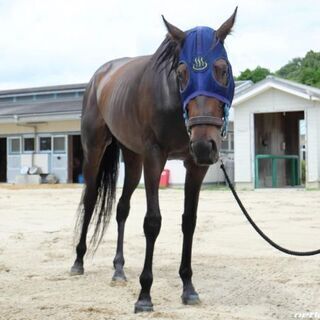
{"x":237,"y":275}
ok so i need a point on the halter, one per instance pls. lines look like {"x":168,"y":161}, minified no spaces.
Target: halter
{"x":201,"y":49}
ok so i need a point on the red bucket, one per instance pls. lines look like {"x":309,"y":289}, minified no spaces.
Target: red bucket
{"x":164,"y":179}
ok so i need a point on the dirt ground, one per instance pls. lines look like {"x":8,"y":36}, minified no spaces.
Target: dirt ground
{"x":237,"y":275}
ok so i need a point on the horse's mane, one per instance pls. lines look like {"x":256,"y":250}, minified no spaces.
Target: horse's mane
{"x":167,"y":55}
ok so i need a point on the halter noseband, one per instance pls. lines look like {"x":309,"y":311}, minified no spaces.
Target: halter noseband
{"x":208,"y":120}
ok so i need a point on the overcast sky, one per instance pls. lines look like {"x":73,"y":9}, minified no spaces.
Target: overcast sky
{"x":44,"y":42}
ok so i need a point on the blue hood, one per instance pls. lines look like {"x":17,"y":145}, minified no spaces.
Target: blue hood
{"x":200,"y":50}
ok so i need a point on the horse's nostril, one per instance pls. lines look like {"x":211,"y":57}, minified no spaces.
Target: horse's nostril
{"x":214,"y":146}
{"x":191,"y":146}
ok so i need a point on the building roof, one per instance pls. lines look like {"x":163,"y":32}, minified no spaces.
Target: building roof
{"x":62,"y":102}
{"x":42,"y":90}
{"x":271,"y":82}
{"x":49,"y":109}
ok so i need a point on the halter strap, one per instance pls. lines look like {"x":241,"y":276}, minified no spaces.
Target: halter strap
{"x":204,"y":120}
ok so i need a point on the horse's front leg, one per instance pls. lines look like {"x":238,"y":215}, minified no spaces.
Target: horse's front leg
{"x":194,"y":178}
{"x":154,"y":162}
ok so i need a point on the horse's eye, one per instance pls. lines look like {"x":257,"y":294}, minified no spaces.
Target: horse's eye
{"x":220,"y":72}
{"x":182,"y":76}
{"x":225,"y":75}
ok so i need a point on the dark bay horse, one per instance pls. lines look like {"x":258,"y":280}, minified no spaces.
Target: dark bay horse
{"x":171,"y":105}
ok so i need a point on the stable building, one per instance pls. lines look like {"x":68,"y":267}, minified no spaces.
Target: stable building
{"x":40,"y":128}
{"x":40,"y":138}
{"x":276,"y":135}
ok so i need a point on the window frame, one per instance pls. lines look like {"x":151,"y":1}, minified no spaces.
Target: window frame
{"x":34,"y":146}
{"x":10,"y":152}
{"x":229,"y":139}
{"x":65,"y":144}
{"x":39,"y":144}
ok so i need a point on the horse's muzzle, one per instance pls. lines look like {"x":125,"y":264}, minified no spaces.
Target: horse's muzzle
{"x":204,"y":152}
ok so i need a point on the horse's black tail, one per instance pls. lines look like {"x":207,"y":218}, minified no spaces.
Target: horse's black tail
{"x":106,"y":195}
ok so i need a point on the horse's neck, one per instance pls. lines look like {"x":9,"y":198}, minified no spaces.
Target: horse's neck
{"x":165,"y":87}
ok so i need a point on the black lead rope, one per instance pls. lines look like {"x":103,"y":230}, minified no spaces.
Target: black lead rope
{"x":265,"y":237}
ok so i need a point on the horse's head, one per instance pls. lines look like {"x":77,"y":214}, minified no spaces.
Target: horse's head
{"x":206,"y":86}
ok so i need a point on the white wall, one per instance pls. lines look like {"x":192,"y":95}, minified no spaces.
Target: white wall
{"x":313,"y":146}
{"x":40,"y":160}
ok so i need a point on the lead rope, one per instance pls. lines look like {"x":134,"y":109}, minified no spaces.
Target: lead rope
{"x":261,"y":233}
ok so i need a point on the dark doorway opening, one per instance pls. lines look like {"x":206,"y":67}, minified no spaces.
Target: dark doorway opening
{"x":3,"y":159}
{"x":277,"y":149}
{"x":75,"y":159}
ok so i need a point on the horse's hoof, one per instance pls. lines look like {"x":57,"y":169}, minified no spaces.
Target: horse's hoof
{"x":119,"y":276}
{"x":143,"y":306}
{"x":76,"y":270}
{"x":190,"y":298}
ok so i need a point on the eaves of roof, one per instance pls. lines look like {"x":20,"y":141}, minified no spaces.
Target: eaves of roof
{"x":291,"y":87}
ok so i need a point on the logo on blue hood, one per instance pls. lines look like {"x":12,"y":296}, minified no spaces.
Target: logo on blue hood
{"x":200,"y":50}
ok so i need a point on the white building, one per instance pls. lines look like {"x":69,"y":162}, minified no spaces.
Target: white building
{"x":276,"y":120}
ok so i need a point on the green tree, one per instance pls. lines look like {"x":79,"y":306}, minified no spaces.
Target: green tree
{"x":255,"y":75}
{"x":304,"y":70}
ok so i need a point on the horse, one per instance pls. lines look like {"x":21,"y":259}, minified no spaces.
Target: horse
{"x":170,"y":105}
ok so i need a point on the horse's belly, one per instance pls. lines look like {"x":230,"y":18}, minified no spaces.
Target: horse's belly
{"x":127,"y":133}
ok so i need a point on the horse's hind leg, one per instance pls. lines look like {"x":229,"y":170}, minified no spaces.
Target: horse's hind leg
{"x":90,"y":172}
{"x":133,"y":169}
{"x":95,"y":141}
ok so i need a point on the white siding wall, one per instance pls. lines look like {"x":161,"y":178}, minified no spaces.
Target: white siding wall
{"x":40,"y":160}
{"x":242,"y":148}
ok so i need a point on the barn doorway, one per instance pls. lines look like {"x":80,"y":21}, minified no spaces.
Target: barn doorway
{"x":75,"y":155}
{"x":3,"y":159}
{"x":278,"y":139}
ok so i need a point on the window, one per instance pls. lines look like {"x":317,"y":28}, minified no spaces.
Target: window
{"x":231,"y":138}
{"x":59,"y":144}
{"x":44,"y":143}
{"x":28,"y":144}
{"x":227,"y":145}
{"x":14,"y":145}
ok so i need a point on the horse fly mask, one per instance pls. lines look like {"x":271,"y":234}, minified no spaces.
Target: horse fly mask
{"x":201,"y":49}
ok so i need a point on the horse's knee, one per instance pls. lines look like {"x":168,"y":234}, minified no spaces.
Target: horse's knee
{"x":188,"y":223}
{"x":152,"y":226}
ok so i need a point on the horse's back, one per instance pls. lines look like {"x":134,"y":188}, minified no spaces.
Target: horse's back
{"x":116,"y":86}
